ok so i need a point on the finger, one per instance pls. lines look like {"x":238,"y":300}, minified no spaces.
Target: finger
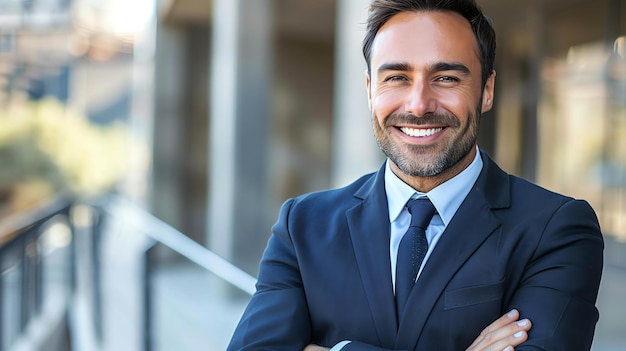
{"x":313,"y":347}
{"x":506,"y":319}
{"x":512,"y":334}
{"x":509,"y":343}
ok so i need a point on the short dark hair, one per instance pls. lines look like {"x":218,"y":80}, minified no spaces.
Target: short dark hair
{"x":381,"y":11}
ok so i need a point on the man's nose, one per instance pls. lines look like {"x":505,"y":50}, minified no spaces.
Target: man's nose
{"x":420,"y":100}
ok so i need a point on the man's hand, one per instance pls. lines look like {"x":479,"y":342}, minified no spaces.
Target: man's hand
{"x":503,"y":334}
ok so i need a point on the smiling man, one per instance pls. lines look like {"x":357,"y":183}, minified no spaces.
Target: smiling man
{"x":440,"y":249}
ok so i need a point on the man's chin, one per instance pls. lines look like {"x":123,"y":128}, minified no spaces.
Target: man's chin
{"x":418,"y":167}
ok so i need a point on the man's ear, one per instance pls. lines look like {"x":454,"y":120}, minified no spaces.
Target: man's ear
{"x":488,"y":92}
{"x":367,"y":86}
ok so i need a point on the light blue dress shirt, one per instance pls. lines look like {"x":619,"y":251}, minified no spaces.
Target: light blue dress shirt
{"x":446,"y":198}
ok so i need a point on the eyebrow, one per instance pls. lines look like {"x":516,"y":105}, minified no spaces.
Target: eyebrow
{"x":395,"y":66}
{"x":436,"y":67}
{"x":450,"y":66}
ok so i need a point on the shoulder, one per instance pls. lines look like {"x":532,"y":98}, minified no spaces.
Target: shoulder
{"x":335,"y":199}
{"x":508,"y":191}
{"x":530,"y":195}
{"x":531,"y":202}
{"x":523,"y":189}
{"x":318,"y":212}
{"x":517,"y":201}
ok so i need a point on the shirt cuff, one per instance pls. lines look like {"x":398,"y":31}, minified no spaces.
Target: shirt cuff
{"x":340,"y":345}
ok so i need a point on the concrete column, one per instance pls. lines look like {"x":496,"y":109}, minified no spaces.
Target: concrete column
{"x":355,"y":151}
{"x":532,"y":94}
{"x":169,"y":111}
{"x":240,"y":89}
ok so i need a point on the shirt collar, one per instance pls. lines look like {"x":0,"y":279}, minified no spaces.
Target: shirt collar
{"x":446,"y":197}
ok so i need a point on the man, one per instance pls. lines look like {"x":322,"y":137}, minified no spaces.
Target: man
{"x":331,"y":276}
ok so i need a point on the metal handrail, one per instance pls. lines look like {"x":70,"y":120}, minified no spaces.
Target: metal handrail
{"x":159,"y":233}
{"x":13,"y":224}
{"x":169,"y":236}
{"x":124,"y":211}
{"x":19,"y":252}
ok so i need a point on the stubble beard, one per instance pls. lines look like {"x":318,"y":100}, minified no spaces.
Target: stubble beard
{"x":427,"y":160}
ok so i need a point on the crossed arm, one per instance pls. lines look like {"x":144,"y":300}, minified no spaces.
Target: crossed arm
{"x":557,"y":292}
{"x":504,"y":334}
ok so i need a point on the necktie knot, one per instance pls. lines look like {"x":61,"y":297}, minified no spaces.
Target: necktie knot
{"x":422,"y":211}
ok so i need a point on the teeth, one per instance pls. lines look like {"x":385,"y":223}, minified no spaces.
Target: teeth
{"x":420,"y":132}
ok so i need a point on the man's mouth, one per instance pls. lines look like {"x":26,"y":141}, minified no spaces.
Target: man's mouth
{"x":414,"y":132}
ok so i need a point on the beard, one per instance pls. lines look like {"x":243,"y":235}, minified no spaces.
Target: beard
{"x":428,"y":160}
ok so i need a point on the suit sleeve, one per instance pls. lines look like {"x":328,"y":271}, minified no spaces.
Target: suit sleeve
{"x":277,"y":317}
{"x":560,"y":285}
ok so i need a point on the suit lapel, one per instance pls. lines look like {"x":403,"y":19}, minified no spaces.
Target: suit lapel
{"x":369,"y":229}
{"x":471,"y":225}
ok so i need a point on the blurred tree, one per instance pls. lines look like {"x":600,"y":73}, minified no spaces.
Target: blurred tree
{"x":45,"y":148}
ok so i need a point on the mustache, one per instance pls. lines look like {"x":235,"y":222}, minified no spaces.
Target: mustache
{"x":429,"y":118}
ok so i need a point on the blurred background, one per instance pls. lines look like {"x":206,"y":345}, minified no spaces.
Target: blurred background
{"x":147,"y":145}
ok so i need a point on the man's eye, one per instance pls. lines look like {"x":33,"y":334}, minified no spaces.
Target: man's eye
{"x":447,"y":79}
{"x":395,"y":78}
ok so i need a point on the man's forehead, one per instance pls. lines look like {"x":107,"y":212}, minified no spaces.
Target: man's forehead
{"x":426,"y":35}
{"x":438,"y":16}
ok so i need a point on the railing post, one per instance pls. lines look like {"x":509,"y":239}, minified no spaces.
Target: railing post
{"x":29,"y":284}
{"x":68,"y":212}
{"x":98,"y":219}
{"x":1,"y":305}
{"x":23,"y":293}
{"x":148,"y":269}
{"x":38,"y":278}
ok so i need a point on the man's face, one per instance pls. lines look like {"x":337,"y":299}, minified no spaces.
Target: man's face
{"x":424,"y":91}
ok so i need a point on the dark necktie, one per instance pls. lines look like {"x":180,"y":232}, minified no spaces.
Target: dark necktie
{"x":413,"y":248}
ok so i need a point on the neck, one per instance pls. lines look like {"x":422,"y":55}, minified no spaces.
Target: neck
{"x":426,"y":184}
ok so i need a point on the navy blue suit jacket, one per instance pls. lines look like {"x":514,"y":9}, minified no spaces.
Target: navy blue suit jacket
{"x":326,"y":276}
